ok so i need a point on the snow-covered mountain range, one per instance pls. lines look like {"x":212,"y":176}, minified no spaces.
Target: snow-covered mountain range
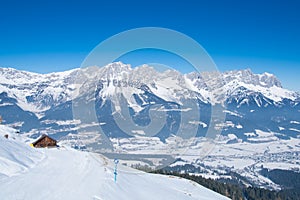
{"x":32,"y":101}
{"x":256,"y":112}
{"x":39,"y":92}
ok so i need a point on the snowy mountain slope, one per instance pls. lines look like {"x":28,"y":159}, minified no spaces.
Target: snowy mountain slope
{"x":37,"y":92}
{"x":69,"y":174}
{"x":15,"y":156}
{"x":14,"y":115}
{"x":230,"y":82}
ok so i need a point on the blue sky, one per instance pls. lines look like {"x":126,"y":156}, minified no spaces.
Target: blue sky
{"x":46,"y":36}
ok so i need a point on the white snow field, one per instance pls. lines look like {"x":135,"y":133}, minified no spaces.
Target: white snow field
{"x":64,"y":173}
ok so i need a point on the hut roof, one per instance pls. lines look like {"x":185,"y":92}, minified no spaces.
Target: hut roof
{"x":41,"y":138}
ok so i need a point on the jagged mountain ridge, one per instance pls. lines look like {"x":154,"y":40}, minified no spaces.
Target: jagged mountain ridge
{"x":47,"y":98}
{"x":37,"y":92}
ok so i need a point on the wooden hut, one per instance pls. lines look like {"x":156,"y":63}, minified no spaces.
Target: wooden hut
{"x":44,"y":141}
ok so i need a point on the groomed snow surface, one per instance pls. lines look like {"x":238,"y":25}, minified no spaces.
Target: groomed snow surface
{"x":64,"y":173}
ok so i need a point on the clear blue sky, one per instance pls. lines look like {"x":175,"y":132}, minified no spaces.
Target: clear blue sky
{"x":46,"y":36}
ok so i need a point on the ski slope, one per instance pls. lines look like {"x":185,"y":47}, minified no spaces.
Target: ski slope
{"x":64,"y":173}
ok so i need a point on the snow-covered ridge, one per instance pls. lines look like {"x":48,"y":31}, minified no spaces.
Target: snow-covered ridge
{"x":16,"y":77}
{"x":38,"y":92}
{"x":248,"y":77}
{"x":231,"y":83}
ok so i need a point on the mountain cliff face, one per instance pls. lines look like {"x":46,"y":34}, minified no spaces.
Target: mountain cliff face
{"x":38,"y":103}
